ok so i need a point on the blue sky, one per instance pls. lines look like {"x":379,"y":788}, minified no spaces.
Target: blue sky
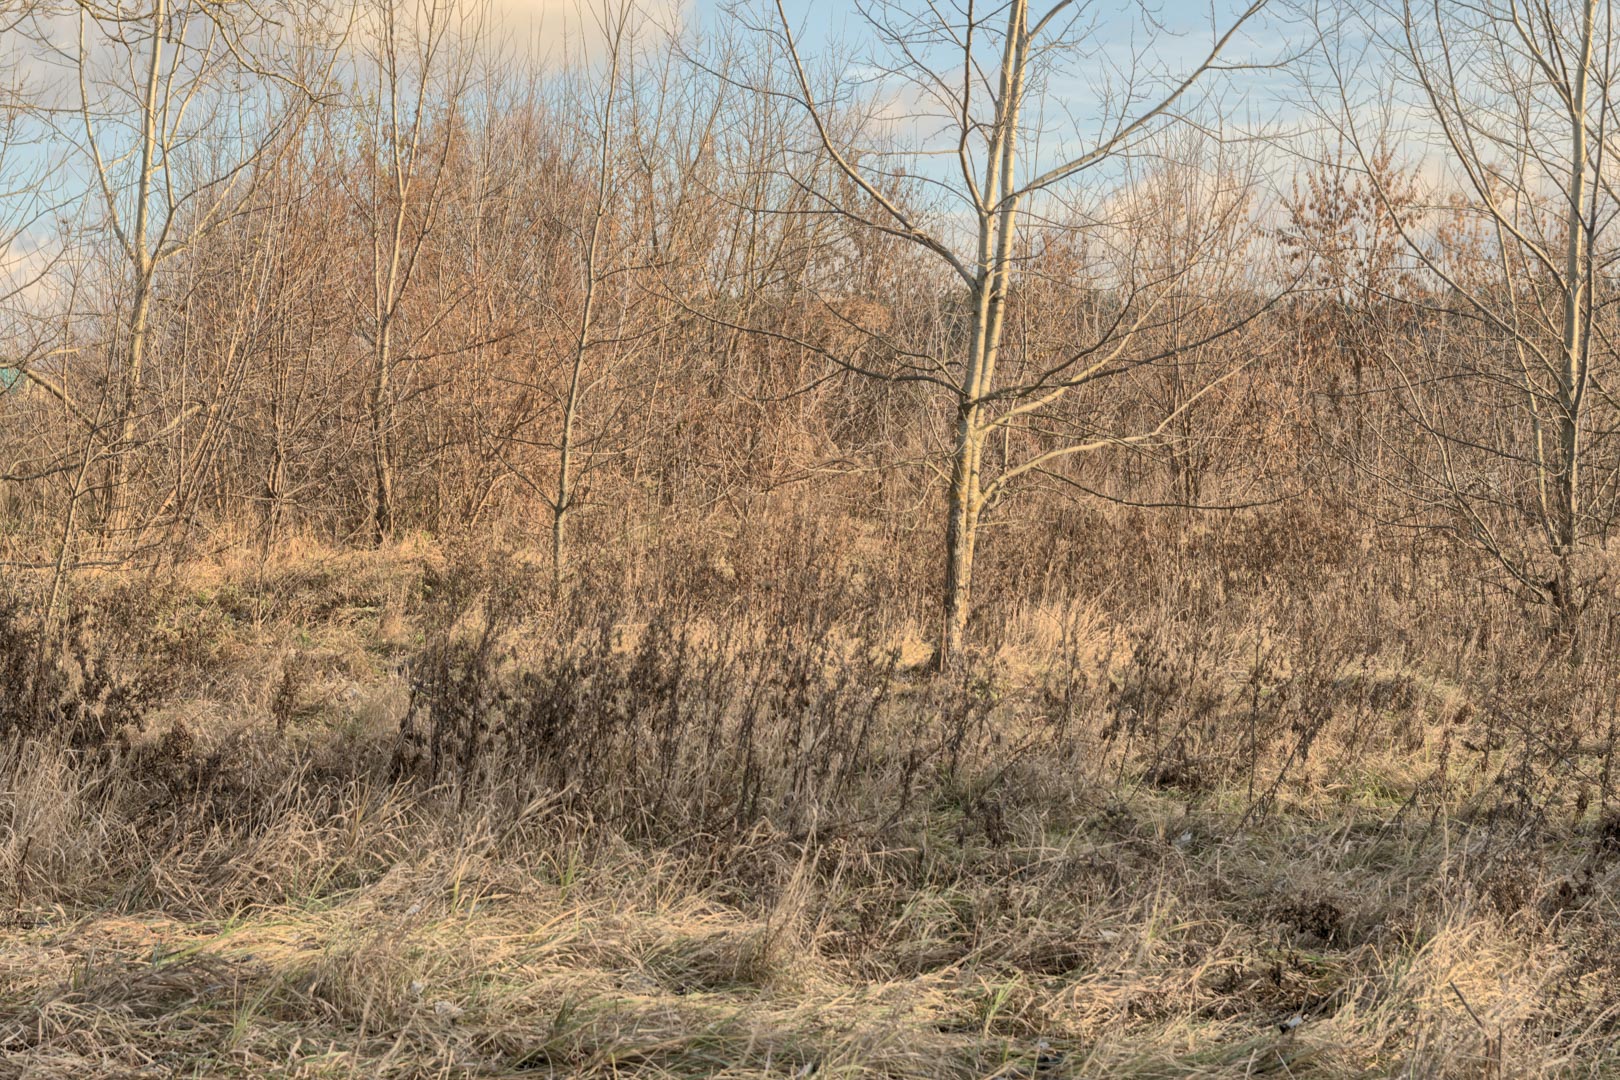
{"x":1253,"y":100}
{"x":1162,"y":43}
{"x":1119,"y":25}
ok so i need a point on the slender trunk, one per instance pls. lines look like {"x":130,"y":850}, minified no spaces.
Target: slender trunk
{"x":961,"y":531}
{"x":118,"y":505}
{"x":382,"y":413}
{"x":382,"y":516}
{"x":144,"y":262}
{"x":388,"y":294}
{"x":1572,"y":383}
{"x":582,"y":338}
{"x":566,"y":441}
{"x":64,"y":549}
{"x":997,"y":219}
{"x":565,"y":470}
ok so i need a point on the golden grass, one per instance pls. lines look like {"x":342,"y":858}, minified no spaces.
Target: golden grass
{"x":427,"y":945}
{"x":292,"y":910}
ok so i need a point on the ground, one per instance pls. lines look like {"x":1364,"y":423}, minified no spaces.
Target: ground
{"x":298,"y":884}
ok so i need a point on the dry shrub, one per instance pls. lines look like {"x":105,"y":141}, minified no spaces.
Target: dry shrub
{"x":69,"y":683}
{"x":713,"y":725}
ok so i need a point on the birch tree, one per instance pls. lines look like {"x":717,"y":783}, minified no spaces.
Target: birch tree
{"x":979,"y":81}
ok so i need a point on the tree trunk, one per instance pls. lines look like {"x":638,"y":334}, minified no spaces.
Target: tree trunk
{"x":998,"y":213}
{"x":144,"y":259}
{"x":565,"y":443}
{"x":382,"y":512}
{"x":582,"y":338}
{"x":961,"y":532}
{"x":1572,"y":384}
{"x":565,"y":489}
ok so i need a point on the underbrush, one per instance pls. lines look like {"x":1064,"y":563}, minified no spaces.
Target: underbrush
{"x":421,"y":817}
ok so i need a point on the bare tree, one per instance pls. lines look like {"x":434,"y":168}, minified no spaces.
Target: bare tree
{"x":613,"y":22}
{"x":1517,"y":98}
{"x":981,"y":80}
{"x":1359,"y":289}
{"x":418,"y":56}
{"x":169,"y":106}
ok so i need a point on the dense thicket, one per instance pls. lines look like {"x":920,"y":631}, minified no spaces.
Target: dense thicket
{"x":354,"y":286}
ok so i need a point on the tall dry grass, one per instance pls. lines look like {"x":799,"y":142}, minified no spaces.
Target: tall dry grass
{"x":1214,"y":798}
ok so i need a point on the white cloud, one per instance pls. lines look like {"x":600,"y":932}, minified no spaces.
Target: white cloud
{"x":564,"y":31}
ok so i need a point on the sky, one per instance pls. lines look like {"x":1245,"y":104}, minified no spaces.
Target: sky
{"x":1255,"y":101}
{"x":1160,"y":41}
{"x":1121,"y":30}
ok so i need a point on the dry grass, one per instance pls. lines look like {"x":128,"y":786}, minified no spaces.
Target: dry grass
{"x":400,"y":944}
{"x":1127,"y":845}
